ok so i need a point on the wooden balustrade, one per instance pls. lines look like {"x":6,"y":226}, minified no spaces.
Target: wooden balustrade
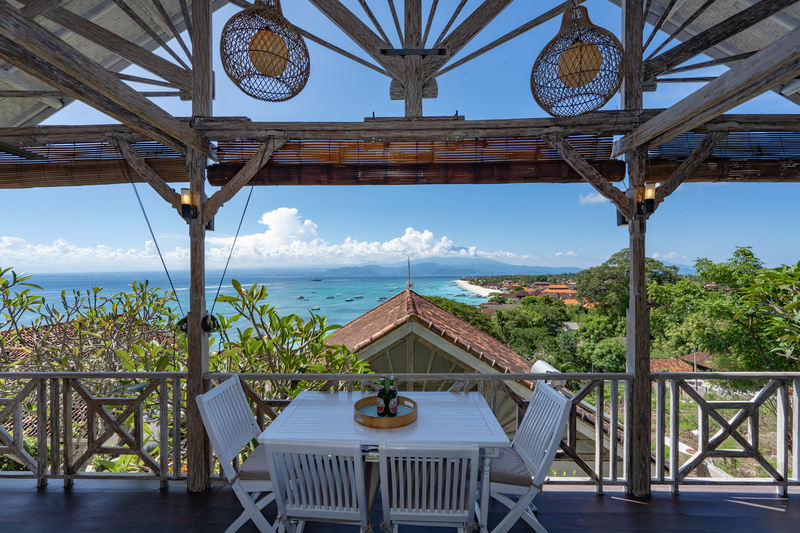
{"x":74,"y":424}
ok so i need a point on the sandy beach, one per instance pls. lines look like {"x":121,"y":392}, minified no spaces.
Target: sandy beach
{"x":476,"y":288}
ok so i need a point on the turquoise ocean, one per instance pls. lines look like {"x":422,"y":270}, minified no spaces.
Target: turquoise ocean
{"x":284,"y":290}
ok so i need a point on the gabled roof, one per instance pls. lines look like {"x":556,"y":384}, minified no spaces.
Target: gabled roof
{"x":409,"y":306}
{"x":705,"y":360}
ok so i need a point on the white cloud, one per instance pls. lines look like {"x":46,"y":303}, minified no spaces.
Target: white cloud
{"x":671,"y":255}
{"x":288,"y":240}
{"x":592,"y":198}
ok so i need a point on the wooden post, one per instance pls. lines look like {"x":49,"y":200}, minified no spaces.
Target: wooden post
{"x":638,"y":359}
{"x":413,"y":63}
{"x":197,"y":476}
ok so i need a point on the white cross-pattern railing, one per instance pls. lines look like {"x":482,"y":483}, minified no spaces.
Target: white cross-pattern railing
{"x":48,"y":401}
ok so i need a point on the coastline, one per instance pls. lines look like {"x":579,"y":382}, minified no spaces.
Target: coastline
{"x":477,"y":289}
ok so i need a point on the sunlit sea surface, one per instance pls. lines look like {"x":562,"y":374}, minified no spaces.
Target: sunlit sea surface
{"x":284,"y":291}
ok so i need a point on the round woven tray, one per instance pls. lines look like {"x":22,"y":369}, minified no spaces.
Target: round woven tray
{"x":406,"y":407}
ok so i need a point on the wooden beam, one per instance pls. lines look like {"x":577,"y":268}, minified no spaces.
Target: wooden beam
{"x":450,"y":22}
{"x":429,"y":23}
{"x":699,"y":11}
{"x":360,"y":33}
{"x":576,"y":161}
{"x":396,"y":21}
{"x":711,"y":63}
{"x":116,"y":44}
{"x":413,"y":63}
{"x":261,"y":157}
{"x":199,"y":450}
{"x":223,"y":129}
{"x":33,"y":65}
{"x":501,"y":172}
{"x":541,"y":19}
{"x":14,"y":80}
{"x":148,"y":174}
{"x":462,"y":35}
{"x":91,"y":172}
{"x":768,"y":68}
{"x":713,"y":36}
{"x":27,"y":34}
{"x":699,"y":154}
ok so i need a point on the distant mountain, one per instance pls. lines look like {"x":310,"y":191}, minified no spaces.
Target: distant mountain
{"x":455,"y":267}
{"x":684,"y":270}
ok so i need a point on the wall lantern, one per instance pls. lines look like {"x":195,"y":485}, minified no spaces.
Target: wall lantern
{"x":264,"y":54}
{"x":649,"y":206}
{"x":580,"y":69}
{"x":188,"y":208}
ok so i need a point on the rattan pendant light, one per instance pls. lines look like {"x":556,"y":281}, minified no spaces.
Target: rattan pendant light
{"x":264,"y":54}
{"x":580,"y":69}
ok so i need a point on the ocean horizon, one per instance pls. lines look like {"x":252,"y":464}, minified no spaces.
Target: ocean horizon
{"x":284,"y":291}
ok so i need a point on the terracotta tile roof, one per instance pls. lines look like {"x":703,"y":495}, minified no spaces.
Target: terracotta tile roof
{"x":409,"y":306}
{"x":704,"y":359}
{"x":558,"y":288}
{"x":571,"y":301}
{"x":670,"y":365}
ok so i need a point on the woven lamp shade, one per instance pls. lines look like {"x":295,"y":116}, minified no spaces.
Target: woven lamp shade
{"x":264,"y":54}
{"x":580,"y":69}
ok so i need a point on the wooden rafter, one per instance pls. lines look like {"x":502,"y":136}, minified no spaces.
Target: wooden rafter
{"x":588,"y":172}
{"x":463,"y":34}
{"x":713,"y":36}
{"x":149,"y":31}
{"x":659,"y":23}
{"x":429,"y":23}
{"x":413,"y":64}
{"x":374,"y":21}
{"x":450,"y":22}
{"x":775,"y":64}
{"x":396,"y":21}
{"x":147,"y":173}
{"x":311,"y":37}
{"x":360,"y":33}
{"x":261,"y":157}
{"x":541,"y":19}
{"x":699,"y":154}
{"x":26,"y":34}
{"x":700,"y":10}
{"x":172,"y":29}
{"x":25,"y":60}
{"x":136,"y":54}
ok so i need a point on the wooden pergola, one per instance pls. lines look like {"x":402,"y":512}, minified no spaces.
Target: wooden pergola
{"x":55,"y":52}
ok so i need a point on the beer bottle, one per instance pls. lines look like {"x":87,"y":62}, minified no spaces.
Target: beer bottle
{"x":391,"y":397}
{"x":382,"y":400}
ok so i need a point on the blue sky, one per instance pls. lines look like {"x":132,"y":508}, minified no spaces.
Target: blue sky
{"x":101,"y":228}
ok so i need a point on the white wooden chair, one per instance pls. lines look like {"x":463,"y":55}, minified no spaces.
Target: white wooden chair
{"x":322,"y":482}
{"x":429,"y":485}
{"x":230,"y":425}
{"x":521,"y":469}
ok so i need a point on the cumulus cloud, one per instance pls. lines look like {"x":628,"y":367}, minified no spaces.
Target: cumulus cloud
{"x":288,"y":240}
{"x":671,"y":255}
{"x":592,"y":198}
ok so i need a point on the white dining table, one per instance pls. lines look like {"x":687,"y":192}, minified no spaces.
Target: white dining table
{"x":443,"y":418}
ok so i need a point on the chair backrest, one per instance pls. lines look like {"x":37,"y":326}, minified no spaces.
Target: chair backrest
{"x":228,"y":420}
{"x":429,"y":484}
{"x":323,"y":481}
{"x":540,"y":432}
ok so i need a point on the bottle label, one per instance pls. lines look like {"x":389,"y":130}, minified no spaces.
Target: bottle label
{"x":381,"y":406}
{"x":393,"y":405}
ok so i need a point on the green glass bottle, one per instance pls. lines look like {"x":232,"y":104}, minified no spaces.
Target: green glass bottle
{"x":382,"y":402}
{"x":391,"y":398}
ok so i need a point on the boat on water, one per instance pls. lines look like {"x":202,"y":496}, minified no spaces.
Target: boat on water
{"x":301,"y":297}
{"x":348,"y":299}
{"x":382,"y":298}
{"x":312,"y":292}
{"x":315,"y":279}
{"x":338,"y":295}
{"x":329,"y":297}
{"x":360,"y":296}
{"x":315,"y":308}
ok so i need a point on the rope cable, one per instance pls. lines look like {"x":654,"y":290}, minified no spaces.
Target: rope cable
{"x":156,"y":243}
{"x":230,"y":254}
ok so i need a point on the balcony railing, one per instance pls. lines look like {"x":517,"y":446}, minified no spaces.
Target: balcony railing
{"x":85,"y":421}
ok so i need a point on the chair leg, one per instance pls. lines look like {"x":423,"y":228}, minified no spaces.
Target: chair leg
{"x":518,"y":509}
{"x":252,"y":511}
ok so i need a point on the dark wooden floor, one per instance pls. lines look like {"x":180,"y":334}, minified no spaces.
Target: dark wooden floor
{"x":121,"y":506}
